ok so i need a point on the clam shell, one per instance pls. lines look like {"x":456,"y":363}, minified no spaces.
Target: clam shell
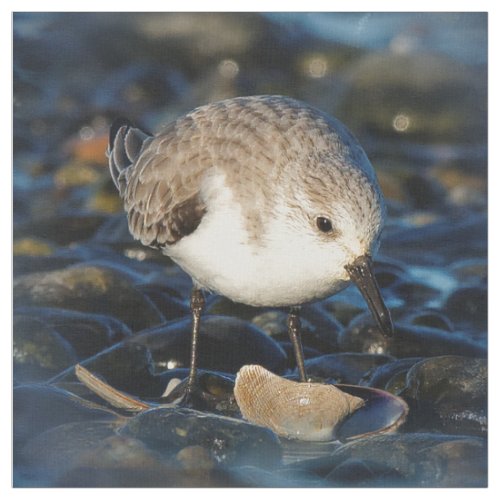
{"x":305,"y":411}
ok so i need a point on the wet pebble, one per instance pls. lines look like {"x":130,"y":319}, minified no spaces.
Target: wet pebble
{"x":32,"y":246}
{"x":448,"y":394}
{"x":358,"y":473}
{"x":87,"y":288}
{"x":344,"y":368}
{"x":380,"y":376}
{"x":362,"y":335}
{"x":26,"y":264}
{"x":62,"y":446}
{"x":41,"y":407}
{"x":230,"y":441}
{"x":225,"y":344}
{"x":451,"y":238}
{"x":39,"y":351}
{"x":428,"y":317}
{"x":87,"y":333}
{"x":125,"y":366}
{"x":470,"y":271}
{"x":319,"y":331}
{"x":468,"y":308}
{"x":61,"y":230}
{"x":412,"y":460}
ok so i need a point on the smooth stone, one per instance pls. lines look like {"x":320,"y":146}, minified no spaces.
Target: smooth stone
{"x":59,"y":448}
{"x":93,"y":289}
{"x":287,"y":347}
{"x":195,"y":458}
{"x":32,"y":247}
{"x":362,"y":335}
{"x":448,"y":394}
{"x":470,"y":272}
{"x":379,"y":376}
{"x":27,"y":264}
{"x":319,"y":331}
{"x":95,"y":457}
{"x":414,"y":293}
{"x":468,"y":308}
{"x":423,"y":460}
{"x":429,"y":317}
{"x":87,"y":333}
{"x":62,"y":230}
{"x":454,"y":237}
{"x":126,"y":366}
{"x":40,"y":407}
{"x":225,"y":344}
{"x":443,"y":100}
{"x":250,"y":476}
{"x":165,"y":301}
{"x":358,"y":473}
{"x":344,"y":368}
{"x":342,"y":309}
{"x":231,"y":441}
{"x":39,"y":351}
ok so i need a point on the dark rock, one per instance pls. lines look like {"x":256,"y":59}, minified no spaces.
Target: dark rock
{"x":422,"y":460}
{"x":39,"y":351}
{"x":87,"y":333}
{"x":357,"y":473}
{"x":344,"y":368}
{"x":125,"y":366}
{"x":468,"y":307}
{"x":414,"y":293}
{"x":88,"y":289}
{"x":232,"y":442}
{"x":363,"y":335}
{"x":460,"y":236}
{"x":448,"y":394}
{"x":41,"y":407}
{"x":319,"y":330}
{"x":428,"y":317}
{"x":379,"y":376}
{"x":62,"y":230}
{"x":60,"y":447}
{"x":225,"y":344}
{"x":470,"y":271}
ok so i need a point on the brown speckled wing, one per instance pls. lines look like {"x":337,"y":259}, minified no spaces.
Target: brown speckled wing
{"x":162,"y":197}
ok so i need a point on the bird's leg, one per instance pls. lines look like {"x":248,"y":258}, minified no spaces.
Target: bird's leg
{"x":197,"y":305}
{"x":294,"y":333}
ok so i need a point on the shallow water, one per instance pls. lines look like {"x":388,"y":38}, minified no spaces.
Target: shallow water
{"x":412,"y":87}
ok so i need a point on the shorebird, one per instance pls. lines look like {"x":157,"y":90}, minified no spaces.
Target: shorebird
{"x":263,"y":199}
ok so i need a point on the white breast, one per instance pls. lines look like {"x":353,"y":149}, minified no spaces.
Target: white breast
{"x":287,"y":269}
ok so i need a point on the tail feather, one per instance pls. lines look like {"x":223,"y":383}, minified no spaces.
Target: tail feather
{"x":125,"y":144}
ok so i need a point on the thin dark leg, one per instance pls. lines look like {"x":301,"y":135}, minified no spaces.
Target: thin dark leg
{"x":294,"y":333}
{"x":197,"y":305}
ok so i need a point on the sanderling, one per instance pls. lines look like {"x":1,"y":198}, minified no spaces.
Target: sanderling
{"x":263,"y":199}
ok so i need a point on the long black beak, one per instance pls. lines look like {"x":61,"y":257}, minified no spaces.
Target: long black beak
{"x":361,"y":273}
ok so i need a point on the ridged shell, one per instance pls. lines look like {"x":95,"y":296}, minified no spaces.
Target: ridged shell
{"x":305,"y":411}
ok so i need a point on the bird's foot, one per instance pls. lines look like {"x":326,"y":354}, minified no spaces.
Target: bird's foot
{"x":186,"y":395}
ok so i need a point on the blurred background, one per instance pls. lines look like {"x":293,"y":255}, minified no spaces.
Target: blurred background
{"x":411,"y":86}
{"x":413,"y":89}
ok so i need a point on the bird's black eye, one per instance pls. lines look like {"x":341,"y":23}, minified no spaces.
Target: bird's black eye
{"x":324,"y":224}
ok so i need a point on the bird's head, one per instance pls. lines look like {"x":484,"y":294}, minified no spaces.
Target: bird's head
{"x":340,"y":209}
